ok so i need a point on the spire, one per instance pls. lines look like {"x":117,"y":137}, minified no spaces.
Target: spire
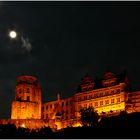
{"x":58,"y":96}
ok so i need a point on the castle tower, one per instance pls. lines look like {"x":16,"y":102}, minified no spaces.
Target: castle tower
{"x":27,"y":103}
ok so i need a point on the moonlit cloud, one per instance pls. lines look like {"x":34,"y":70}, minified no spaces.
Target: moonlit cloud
{"x":26,"y":44}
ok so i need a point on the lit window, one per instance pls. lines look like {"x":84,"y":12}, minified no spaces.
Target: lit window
{"x":118,"y":100}
{"x":106,"y":93}
{"x":79,"y":98}
{"x":46,"y":116}
{"x":105,"y":85}
{"x":90,"y":88}
{"x":85,"y":97}
{"x":112,"y":91}
{"x":20,"y":90}
{"x":90,"y":104}
{"x":18,"y":99}
{"x":50,"y":114}
{"x":90,"y":96}
{"x":67,"y":103}
{"x":28,"y":98}
{"x":107,"y":102}
{"x":47,"y":107}
{"x":63,"y":112}
{"x":70,"y":102}
{"x":28,"y":90}
{"x":112,"y":101}
{"x":96,"y":103}
{"x":84,"y":89}
{"x":62,"y":104}
{"x":112,"y":83}
{"x":55,"y":105}
{"x":118,"y":91}
{"x":50,"y":105}
{"x":96,"y":95}
{"x":43,"y":108}
{"x":101,"y":94}
{"x":101,"y":102}
{"x":71,"y":110}
{"x":80,"y":107}
{"x":85,"y":105}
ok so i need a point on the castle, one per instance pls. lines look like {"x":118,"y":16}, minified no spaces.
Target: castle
{"x":108,"y":95}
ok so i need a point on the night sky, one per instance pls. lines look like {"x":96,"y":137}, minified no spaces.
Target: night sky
{"x":60,"y":42}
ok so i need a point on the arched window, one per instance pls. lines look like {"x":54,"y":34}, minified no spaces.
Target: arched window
{"x":107,"y":102}
{"x":62,"y":104}
{"x":18,"y":98}
{"x":28,"y":98}
{"x":96,"y":103}
{"x":101,"y":102}
{"x":20,"y":90}
{"x":28,"y":90}
{"x":112,"y":101}
{"x":118,"y":100}
{"x":66,"y":103}
{"x":46,"y":107}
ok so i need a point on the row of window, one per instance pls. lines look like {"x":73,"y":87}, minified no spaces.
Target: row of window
{"x":62,"y":117}
{"x":100,"y":103}
{"x":23,"y":90}
{"x":64,"y":113}
{"x":65,"y":117}
{"x":55,"y":105}
{"x":27,"y":98}
{"x":70,"y":111}
{"x":96,"y":95}
{"x":87,"y":88}
{"x":106,"y":84}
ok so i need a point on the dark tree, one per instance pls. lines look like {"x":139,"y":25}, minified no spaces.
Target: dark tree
{"x":89,"y":117}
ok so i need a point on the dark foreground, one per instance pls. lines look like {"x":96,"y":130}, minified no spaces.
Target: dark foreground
{"x":125,"y":126}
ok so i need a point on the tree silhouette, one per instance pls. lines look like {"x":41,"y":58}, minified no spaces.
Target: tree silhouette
{"x":89,"y":117}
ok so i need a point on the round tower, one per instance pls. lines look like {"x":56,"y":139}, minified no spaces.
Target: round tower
{"x":27,"y":103}
{"x":28,"y":89}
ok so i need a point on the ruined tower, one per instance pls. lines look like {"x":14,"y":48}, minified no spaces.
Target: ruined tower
{"x":27,"y":103}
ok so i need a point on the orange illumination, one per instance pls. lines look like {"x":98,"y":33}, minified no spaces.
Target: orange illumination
{"x":77,"y":125}
{"x":23,"y":125}
{"x":58,"y":125}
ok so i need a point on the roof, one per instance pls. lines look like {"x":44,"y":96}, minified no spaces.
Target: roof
{"x":108,"y":75}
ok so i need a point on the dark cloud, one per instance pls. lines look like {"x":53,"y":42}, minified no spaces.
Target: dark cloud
{"x":66,"y":40}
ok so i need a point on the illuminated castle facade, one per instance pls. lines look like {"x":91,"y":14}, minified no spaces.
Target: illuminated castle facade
{"x":108,"y":95}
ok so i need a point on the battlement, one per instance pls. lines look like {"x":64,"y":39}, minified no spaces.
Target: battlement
{"x":26,"y":79}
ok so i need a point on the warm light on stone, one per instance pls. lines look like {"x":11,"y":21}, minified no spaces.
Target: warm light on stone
{"x":27,"y":103}
{"x":23,"y":125}
{"x":110,"y":99}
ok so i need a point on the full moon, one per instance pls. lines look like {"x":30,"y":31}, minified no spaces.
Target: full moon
{"x":12,"y":34}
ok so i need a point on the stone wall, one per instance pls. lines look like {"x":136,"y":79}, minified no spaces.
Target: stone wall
{"x":26,"y":123}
